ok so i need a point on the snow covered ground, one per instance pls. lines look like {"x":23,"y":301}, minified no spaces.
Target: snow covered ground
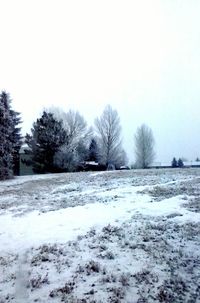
{"x":122,"y":236}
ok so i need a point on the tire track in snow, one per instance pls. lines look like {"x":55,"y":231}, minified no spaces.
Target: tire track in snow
{"x":21,"y":291}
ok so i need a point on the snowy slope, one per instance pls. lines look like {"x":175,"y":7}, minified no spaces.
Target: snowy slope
{"x":99,"y":236}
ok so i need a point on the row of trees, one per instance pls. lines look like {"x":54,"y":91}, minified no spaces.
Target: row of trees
{"x":177,"y":163}
{"x":61,"y":141}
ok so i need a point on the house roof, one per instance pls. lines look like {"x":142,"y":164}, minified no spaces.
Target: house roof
{"x":23,"y":147}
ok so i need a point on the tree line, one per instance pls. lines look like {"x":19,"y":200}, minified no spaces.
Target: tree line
{"x":61,"y":141}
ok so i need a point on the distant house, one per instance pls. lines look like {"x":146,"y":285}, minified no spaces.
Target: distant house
{"x":90,"y":166}
{"x":191,"y":163}
{"x":160,"y":165}
{"x":169,"y":165}
{"x":124,"y":167}
{"x":25,"y":167}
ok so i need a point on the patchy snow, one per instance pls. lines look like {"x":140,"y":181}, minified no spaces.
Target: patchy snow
{"x":23,"y":179}
{"x":100,"y":237}
{"x":62,"y":225}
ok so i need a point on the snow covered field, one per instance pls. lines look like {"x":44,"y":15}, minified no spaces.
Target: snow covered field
{"x":122,"y":236}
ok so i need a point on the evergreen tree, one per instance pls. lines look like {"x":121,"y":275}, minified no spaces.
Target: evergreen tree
{"x":6,"y":147}
{"x":47,"y":137}
{"x":93,"y":151}
{"x":16,"y":140}
{"x":81,"y":152}
{"x":180,"y":162}
{"x":174,"y":162}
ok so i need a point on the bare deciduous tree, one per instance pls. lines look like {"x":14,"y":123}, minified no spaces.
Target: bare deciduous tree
{"x":74,"y":124}
{"x":78,"y":136}
{"x":144,"y":146}
{"x":109,"y":134}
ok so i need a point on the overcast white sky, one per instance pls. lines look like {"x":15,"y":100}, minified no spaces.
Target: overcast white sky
{"x":140,"y":56}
